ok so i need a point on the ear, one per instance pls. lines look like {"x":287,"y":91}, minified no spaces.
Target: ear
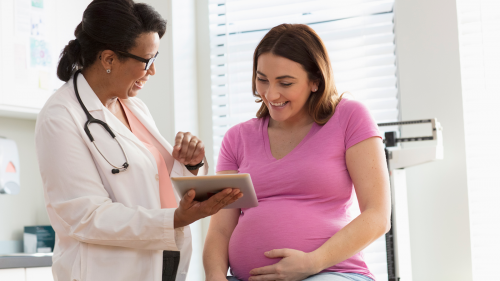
{"x":108,"y":59}
{"x":314,"y":86}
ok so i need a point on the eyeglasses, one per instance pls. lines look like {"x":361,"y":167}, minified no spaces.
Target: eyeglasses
{"x":148,"y":62}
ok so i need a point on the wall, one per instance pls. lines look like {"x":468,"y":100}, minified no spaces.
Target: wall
{"x":27,"y":207}
{"x":204,"y":90}
{"x":430,"y":86}
{"x":158,"y":92}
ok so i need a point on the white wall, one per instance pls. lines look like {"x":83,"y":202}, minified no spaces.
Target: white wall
{"x":27,"y":207}
{"x":158,"y":93}
{"x":430,"y":86}
{"x":204,"y":89}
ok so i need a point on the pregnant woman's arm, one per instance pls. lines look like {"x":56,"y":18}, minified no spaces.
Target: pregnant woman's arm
{"x":367,"y":168}
{"x":215,"y":252}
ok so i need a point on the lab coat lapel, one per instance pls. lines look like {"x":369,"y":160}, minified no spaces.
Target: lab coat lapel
{"x":148,"y":123}
{"x":177,"y":169}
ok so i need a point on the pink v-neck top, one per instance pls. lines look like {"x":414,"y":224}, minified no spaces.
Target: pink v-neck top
{"x":164,"y":161}
{"x":304,"y":198}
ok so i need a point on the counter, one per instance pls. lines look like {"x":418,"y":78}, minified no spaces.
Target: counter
{"x":25,"y":260}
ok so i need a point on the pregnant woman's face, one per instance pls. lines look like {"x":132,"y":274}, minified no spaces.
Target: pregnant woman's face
{"x":284,"y":87}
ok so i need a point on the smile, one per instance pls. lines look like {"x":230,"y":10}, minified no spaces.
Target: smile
{"x":140,"y":83}
{"x":279,"y":104}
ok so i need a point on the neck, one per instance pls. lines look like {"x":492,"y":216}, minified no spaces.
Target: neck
{"x":100,"y":86}
{"x":300,"y":120}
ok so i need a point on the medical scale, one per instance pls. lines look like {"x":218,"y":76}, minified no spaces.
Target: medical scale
{"x":398,"y":158}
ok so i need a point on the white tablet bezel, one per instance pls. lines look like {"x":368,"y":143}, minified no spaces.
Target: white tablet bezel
{"x":213,"y":184}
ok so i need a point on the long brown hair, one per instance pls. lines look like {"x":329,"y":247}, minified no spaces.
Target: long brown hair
{"x":301,"y":44}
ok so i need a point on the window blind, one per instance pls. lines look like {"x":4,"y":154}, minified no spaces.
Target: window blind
{"x":479,"y":39}
{"x":359,"y":38}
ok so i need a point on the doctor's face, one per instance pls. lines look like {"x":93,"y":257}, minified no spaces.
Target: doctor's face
{"x":131,"y":76}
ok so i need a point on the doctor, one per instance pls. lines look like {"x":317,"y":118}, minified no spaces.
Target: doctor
{"x":105,"y":167}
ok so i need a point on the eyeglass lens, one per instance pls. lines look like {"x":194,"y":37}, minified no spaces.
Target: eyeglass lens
{"x":150,"y":62}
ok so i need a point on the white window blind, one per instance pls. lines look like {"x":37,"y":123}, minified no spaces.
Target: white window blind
{"x":479,"y":38}
{"x":360,"y":41}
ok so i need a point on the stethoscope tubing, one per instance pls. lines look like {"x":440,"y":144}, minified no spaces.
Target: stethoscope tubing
{"x":90,"y":120}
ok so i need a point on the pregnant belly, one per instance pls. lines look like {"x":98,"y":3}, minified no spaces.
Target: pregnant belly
{"x":279,"y":224}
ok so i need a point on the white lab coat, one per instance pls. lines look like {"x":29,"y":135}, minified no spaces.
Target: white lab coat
{"x":108,"y":226}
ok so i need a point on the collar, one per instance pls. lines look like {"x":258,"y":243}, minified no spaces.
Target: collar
{"x":147,"y":121}
{"x":88,"y":96}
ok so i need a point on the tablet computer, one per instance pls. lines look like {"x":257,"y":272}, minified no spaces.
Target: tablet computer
{"x":207,"y":186}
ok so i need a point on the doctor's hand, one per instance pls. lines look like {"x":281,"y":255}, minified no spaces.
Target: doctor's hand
{"x":188,"y":149}
{"x":190,"y":211}
{"x":294,"y":265}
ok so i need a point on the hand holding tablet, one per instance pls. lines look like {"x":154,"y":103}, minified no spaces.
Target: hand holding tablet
{"x":207,"y":186}
{"x":190,"y":210}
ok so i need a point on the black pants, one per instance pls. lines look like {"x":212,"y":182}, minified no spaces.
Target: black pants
{"x":170,"y":265}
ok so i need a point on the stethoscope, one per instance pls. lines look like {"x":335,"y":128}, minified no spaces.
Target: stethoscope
{"x":90,"y":120}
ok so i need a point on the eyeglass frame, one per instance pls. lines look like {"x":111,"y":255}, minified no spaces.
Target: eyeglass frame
{"x":148,"y":62}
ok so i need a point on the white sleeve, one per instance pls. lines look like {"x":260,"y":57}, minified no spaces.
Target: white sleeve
{"x":78,"y":203}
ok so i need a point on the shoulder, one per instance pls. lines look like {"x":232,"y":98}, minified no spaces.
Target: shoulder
{"x":58,"y":104}
{"x":349,"y":106}
{"x":246,"y":128}
{"x":349,"y":110}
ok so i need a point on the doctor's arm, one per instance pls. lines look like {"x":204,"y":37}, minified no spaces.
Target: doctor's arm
{"x":367,"y":168}
{"x":79,"y":205}
{"x":215,"y":252}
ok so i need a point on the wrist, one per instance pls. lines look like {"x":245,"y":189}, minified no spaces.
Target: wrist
{"x":178,"y":220}
{"x":215,"y":276}
{"x":317,"y":262}
{"x":195,"y":166}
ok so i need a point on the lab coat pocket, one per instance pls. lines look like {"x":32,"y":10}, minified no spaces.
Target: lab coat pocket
{"x":118,"y":263}
{"x":76,"y":270}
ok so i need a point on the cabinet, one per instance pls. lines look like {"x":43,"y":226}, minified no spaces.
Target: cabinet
{"x":13,"y":274}
{"x":39,"y":274}
{"x":27,"y":274}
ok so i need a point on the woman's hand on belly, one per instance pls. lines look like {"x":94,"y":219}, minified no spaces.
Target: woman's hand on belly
{"x":294,"y":265}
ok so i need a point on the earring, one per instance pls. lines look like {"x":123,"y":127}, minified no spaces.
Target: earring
{"x":108,"y":70}
{"x":315,"y":90}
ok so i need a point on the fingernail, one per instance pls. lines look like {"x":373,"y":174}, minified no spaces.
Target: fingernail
{"x":190,"y":193}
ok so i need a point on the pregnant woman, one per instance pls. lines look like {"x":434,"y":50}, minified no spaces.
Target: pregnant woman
{"x":309,"y":152}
